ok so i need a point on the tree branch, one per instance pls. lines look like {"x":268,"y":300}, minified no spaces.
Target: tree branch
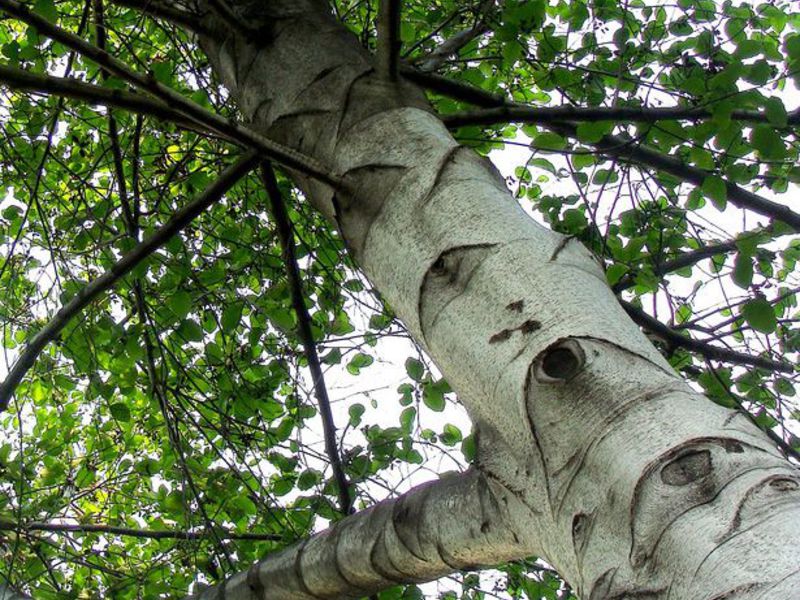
{"x":121,"y":268}
{"x":522,"y":113}
{"x":427,"y":533}
{"x":627,"y":149}
{"x":67,"y":87}
{"x":616,"y":146}
{"x":687,"y":259}
{"x":676,"y":340}
{"x":454,"y":44}
{"x":388,"y":51}
{"x":286,"y":239}
{"x":284,"y":155}
{"x":161,"y":11}
{"x":63,"y":528}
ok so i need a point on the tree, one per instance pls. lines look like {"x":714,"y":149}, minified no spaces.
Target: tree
{"x":159,"y":413}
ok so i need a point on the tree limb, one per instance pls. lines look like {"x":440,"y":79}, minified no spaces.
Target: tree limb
{"x":227,"y":127}
{"x":436,"y":528}
{"x":63,"y":528}
{"x":627,"y":149}
{"x":522,"y":113}
{"x":169,"y":13}
{"x":286,"y":238}
{"x":388,"y":50}
{"x":616,"y":146}
{"x":687,"y":259}
{"x":454,"y":44}
{"x":67,"y":87}
{"x":121,"y":268}
{"x":674,"y":339}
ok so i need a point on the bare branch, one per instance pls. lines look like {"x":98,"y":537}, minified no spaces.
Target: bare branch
{"x":169,"y":13}
{"x":286,"y":239}
{"x":687,"y":259}
{"x":121,"y":268}
{"x":618,"y":147}
{"x":227,"y":127}
{"x":540,"y":115}
{"x":454,"y":44}
{"x":67,"y":87}
{"x":627,"y":149}
{"x":388,"y":51}
{"x":676,"y":340}
{"x":64,"y":528}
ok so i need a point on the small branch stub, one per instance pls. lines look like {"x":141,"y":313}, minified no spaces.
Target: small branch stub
{"x":559,"y":362}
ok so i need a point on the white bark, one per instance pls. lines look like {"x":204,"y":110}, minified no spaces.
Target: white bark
{"x":593,"y":453}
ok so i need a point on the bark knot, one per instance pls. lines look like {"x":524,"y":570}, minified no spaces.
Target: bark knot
{"x":559,"y":362}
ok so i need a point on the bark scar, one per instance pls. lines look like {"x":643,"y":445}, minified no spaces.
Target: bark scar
{"x":526,"y":328}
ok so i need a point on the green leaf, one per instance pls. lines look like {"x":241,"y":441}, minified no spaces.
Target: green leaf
{"x":593,"y":131}
{"x":469,"y":448}
{"x":180,"y":303}
{"x":356,"y":411}
{"x":615,"y":272}
{"x":715,"y":190}
{"x":120,"y":412}
{"x":776,"y":112}
{"x":742,"y":274}
{"x":46,"y":8}
{"x":760,"y":315}
{"x":415,"y":369}
{"x":231,"y":316}
{"x":451,"y":435}
{"x":433,"y":397}
{"x":358,"y":362}
{"x":768,"y":143}
{"x":308,"y":479}
{"x":190,"y":330}
{"x":549,"y":141}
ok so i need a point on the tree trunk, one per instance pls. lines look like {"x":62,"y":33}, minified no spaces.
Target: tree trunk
{"x":592,"y":452}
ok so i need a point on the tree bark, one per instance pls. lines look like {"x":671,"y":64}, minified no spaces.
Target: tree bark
{"x":592,"y":452}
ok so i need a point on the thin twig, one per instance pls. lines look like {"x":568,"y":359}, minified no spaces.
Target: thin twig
{"x":615,"y":146}
{"x":286,"y":238}
{"x":687,"y":259}
{"x":453,"y":45}
{"x":522,"y":113}
{"x":67,"y":87}
{"x":137,"y":533}
{"x":121,"y":268}
{"x":675,"y":340}
{"x":227,"y":127}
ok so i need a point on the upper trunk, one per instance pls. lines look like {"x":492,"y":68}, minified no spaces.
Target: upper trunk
{"x":605,"y":462}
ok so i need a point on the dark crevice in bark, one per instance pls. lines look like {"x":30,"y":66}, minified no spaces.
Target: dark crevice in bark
{"x":736,"y":522}
{"x":298,"y":569}
{"x":559,"y":362}
{"x":701,"y":491}
{"x":445,"y":161}
{"x":540,"y":454}
{"x":446,"y":559}
{"x":380,"y":556}
{"x":404,"y":522}
{"x":449,"y":276}
{"x":602,"y":430}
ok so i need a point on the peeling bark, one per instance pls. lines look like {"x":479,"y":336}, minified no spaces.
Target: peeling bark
{"x":592,"y":452}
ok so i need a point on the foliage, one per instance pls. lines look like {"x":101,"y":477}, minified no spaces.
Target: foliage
{"x":178,"y":406}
